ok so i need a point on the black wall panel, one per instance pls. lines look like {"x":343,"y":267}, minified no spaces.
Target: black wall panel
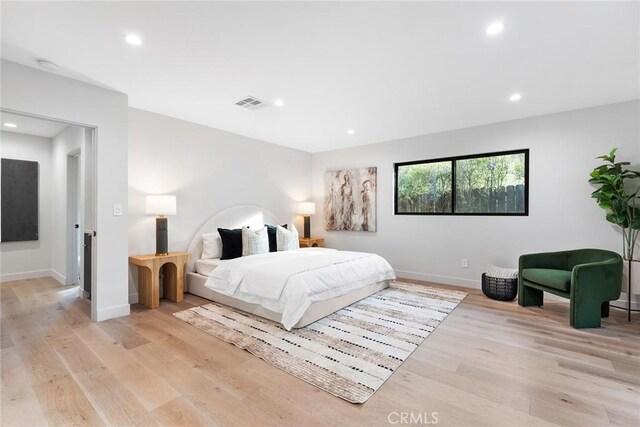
{"x":19,"y":201}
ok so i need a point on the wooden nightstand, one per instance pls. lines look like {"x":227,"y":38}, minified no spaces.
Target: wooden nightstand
{"x":312,"y":242}
{"x":149,"y":277}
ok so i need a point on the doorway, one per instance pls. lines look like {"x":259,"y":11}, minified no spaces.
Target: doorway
{"x":67,"y":195}
{"x":74,"y":220}
{"x":79,"y":209}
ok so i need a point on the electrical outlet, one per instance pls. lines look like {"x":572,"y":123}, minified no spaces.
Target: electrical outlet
{"x":465,"y":263}
{"x":117,"y":210}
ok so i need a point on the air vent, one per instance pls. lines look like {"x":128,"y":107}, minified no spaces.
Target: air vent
{"x":251,"y":103}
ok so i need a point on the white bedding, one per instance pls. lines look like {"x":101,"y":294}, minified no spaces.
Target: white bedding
{"x":206,"y":266}
{"x":289,"y":282}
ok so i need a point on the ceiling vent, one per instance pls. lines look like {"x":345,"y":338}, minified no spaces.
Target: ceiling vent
{"x":251,"y":103}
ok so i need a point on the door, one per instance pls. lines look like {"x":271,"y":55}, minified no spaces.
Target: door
{"x":87,"y":266}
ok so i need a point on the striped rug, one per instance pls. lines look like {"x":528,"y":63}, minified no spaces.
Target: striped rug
{"x":349,"y":353}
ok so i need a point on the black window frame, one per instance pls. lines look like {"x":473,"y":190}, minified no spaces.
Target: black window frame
{"x":453,"y":160}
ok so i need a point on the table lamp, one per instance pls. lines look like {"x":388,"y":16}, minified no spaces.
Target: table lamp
{"x":162,"y":206}
{"x":307,"y":209}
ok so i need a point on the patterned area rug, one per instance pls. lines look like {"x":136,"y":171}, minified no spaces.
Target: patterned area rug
{"x":349,"y":353}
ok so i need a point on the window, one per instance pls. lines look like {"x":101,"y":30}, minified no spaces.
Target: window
{"x":481,"y":184}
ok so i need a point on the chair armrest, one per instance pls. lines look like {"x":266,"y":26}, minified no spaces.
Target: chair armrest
{"x":597,"y":279}
{"x":555,"y":260}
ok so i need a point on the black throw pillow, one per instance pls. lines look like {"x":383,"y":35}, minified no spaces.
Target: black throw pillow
{"x":271,"y":233}
{"x":231,"y":243}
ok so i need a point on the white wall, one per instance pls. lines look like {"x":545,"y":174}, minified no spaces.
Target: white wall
{"x":23,"y":260}
{"x":562,"y":214}
{"x":209,"y":170}
{"x":70,"y":140}
{"x":27,"y":90}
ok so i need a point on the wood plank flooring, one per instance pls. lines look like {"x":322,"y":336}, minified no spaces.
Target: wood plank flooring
{"x":488,"y":363}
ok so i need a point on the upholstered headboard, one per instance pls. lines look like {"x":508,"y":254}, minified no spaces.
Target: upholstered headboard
{"x":233,"y":217}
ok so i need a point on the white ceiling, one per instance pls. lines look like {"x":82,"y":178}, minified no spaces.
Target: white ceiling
{"x":386,"y":70}
{"x":31,"y":125}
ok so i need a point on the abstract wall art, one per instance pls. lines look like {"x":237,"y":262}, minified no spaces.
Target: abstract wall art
{"x":350,"y":199}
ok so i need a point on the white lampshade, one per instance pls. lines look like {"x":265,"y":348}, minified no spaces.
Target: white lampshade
{"x":307,"y":208}
{"x":161,"y":205}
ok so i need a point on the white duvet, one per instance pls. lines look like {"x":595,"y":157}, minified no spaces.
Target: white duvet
{"x":289,"y":282}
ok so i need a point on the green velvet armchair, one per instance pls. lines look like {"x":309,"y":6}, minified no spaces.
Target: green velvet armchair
{"x":590,"y":278}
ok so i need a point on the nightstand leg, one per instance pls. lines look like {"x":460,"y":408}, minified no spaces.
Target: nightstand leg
{"x":148,"y":287}
{"x":173,"y":282}
{"x":180,"y":283}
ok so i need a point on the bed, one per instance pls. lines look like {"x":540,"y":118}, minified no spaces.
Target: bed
{"x":310,"y":293}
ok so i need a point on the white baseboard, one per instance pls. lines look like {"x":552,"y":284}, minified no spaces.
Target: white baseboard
{"x":548,"y":295}
{"x":59,"y":277}
{"x":25,"y":275}
{"x":442,"y":280}
{"x":133,"y":298}
{"x":623,"y":301}
{"x":112,"y":312}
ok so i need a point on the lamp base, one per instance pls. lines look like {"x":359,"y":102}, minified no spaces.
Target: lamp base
{"x":162,"y":245}
{"x":307,"y":227}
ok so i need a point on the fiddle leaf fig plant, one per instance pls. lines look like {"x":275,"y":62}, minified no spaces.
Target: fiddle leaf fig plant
{"x":617,"y":194}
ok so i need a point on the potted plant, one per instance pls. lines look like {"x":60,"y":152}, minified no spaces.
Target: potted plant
{"x":617,"y":194}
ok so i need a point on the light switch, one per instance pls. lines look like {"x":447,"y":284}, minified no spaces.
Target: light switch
{"x":117,"y":210}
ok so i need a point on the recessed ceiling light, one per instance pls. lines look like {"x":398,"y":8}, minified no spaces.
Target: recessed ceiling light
{"x":133,"y":39}
{"x":350,"y":132}
{"x":515,"y":97}
{"x":10,"y":125}
{"x":495,"y":28}
{"x":47,"y":65}
{"x":278,"y":102}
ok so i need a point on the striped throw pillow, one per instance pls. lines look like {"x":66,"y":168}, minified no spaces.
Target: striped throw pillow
{"x":287,"y":239}
{"x":254,"y":242}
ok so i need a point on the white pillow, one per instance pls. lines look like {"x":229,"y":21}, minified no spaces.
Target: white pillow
{"x":287,"y":239}
{"x":254,"y":242}
{"x":211,"y":246}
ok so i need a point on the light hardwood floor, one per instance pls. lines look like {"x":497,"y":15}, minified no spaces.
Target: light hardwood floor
{"x":488,"y":363}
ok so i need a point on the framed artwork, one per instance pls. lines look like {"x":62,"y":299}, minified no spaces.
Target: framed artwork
{"x":350,"y":199}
